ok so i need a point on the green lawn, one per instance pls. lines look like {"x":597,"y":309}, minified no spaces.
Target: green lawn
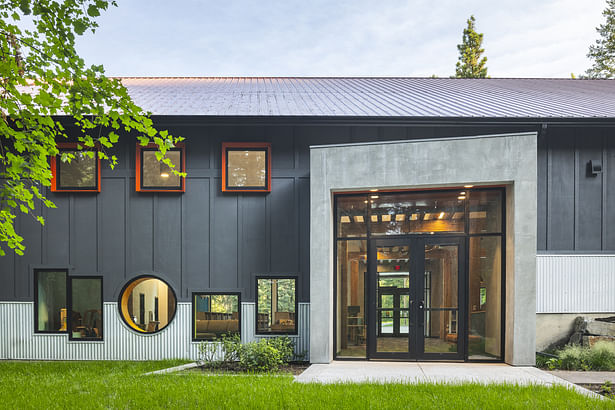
{"x":45,"y":385}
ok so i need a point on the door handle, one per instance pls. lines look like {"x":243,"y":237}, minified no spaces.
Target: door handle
{"x":422,"y":304}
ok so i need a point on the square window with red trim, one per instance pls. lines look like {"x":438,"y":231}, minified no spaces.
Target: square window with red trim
{"x":156,"y":176}
{"x":246,"y":167}
{"x":80,"y":174}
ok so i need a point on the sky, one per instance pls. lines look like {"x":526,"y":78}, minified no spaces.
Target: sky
{"x":522,"y":38}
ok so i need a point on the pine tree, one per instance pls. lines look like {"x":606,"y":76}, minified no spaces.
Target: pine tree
{"x":603,"y":52}
{"x":470,"y":64}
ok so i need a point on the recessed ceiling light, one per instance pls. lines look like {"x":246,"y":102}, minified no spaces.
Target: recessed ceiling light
{"x":461,"y":197}
{"x":373,"y":190}
{"x":462,"y":193}
{"x":374,"y":196}
{"x":468,"y":186}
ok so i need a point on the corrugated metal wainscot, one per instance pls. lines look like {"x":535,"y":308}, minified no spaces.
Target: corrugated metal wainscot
{"x":18,"y":340}
{"x":575,"y":283}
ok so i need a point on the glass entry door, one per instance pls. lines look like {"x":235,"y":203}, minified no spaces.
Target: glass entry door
{"x":415,"y":299}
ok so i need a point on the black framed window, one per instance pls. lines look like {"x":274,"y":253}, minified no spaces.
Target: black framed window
{"x":147,"y":304}
{"x":215,"y":314}
{"x":86,"y":308}
{"x":276,"y":305}
{"x":154,"y":175}
{"x":50,"y":304}
{"x":246,"y":167}
{"x":79,"y":174}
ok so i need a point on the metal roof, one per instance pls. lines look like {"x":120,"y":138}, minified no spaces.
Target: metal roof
{"x":374,"y":97}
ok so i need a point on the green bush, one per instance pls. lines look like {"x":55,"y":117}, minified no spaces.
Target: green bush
{"x":264,"y":355}
{"x":231,"y":347}
{"x":572,"y":357}
{"x":600,"y":356}
{"x":285,"y":346}
{"x":260,"y":356}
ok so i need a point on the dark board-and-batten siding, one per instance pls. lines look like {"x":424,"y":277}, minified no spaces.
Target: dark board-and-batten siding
{"x":204,"y":239}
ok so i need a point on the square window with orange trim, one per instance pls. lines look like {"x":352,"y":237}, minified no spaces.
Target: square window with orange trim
{"x":156,"y":176}
{"x":246,"y":167}
{"x":80,"y":173}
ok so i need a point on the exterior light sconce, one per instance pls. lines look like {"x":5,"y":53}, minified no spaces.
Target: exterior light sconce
{"x":594,"y":167}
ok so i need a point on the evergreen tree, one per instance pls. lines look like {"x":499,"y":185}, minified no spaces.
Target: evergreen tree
{"x":470,"y":64}
{"x":603,"y":52}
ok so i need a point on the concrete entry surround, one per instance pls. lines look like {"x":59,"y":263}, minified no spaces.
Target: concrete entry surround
{"x":506,"y":159}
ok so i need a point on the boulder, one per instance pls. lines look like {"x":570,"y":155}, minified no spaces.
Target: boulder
{"x":599,"y":328}
{"x":583,"y":327}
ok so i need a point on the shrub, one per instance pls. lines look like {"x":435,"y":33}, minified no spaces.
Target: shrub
{"x":208,"y":354}
{"x":260,"y":356}
{"x":571,"y":357}
{"x":285,"y":346}
{"x":231,"y":348}
{"x":601,"y":356}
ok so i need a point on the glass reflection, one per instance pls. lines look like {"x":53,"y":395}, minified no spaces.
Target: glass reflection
{"x":394,"y":214}
{"x":351,"y":216}
{"x":247,"y":168}
{"x":351,"y":324}
{"x":392,"y":292}
{"x":215,"y":315}
{"x":441,"y":298}
{"x":79,"y":173}
{"x":157,"y":174}
{"x":485,"y":211}
{"x":485,"y":301}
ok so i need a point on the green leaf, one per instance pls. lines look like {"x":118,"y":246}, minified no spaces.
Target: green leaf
{"x":93,"y":11}
{"x":79,"y":26}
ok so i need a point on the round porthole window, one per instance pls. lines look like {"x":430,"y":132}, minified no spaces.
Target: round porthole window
{"x":147,"y":304}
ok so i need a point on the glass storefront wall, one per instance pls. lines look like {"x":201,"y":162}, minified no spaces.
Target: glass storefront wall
{"x":477,"y":215}
{"x":350,"y":320}
{"x":485,"y":304}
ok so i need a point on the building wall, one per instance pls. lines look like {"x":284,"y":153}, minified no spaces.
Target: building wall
{"x":576,"y":211}
{"x":19,"y":342}
{"x":204,"y":239}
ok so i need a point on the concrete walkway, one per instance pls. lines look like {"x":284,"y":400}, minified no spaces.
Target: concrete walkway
{"x":403,"y":372}
{"x":585,"y":377}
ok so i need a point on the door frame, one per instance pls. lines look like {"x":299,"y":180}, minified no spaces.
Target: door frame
{"x":416,"y":243}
